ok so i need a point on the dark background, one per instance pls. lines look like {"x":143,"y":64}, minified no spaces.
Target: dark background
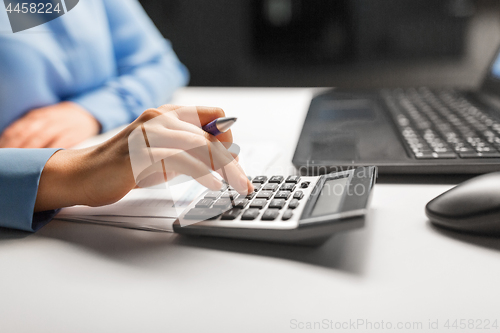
{"x":343,"y":43}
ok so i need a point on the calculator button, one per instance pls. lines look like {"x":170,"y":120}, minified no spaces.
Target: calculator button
{"x":270,"y":214}
{"x":298,"y":195}
{"x":231,"y":214}
{"x":270,"y":187}
{"x":292,"y":179}
{"x":258,"y":203}
{"x":256,"y":187}
{"x":231,"y":195}
{"x":223,"y":204}
{"x":204,"y":203}
{"x":240,"y":203}
{"x":202,"y":214}
{"x":277,"y":203}
{"x":282,"y":195}
{"x":276,"y":179}
{"x":264,"y":195}
{"x":305,"y":184}
{"x":213,"y":195}
{"x":293,"y":204}
{"x":250,"y":214}
{"x":250,"y":196}
{"x":287,"y":215}
{"x":259,"y":179}
{"x":287,"y":187}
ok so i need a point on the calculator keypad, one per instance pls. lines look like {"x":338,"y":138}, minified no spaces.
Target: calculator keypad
{"x":275,"y":203}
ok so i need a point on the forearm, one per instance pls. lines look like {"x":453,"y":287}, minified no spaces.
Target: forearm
{"x":94,"y":176}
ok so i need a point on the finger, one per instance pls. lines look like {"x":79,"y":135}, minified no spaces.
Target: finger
{"x":225,"y":165}
{"x":211,"y":152}
{"x":202,"y":115}
{"x":219,"y":156}
{"x":226,"y":138}
{"x":156,"y":178}
{"x":174,"y":160}
{"x":42,"y":138}
{"x":28,"y":132}
{"x":199,"y":115}
{"x":14,"y":135}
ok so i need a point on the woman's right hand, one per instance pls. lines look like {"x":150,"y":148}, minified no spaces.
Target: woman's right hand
{"x":159,"y":145}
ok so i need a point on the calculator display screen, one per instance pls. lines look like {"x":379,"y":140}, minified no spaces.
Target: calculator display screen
{"x":330,"y":198}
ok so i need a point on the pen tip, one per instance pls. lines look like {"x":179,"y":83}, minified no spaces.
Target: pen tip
{"x":223,"y":124}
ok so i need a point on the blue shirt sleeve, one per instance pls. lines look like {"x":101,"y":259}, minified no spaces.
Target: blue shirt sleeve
{"x":20,"y":171}
{"x":148,"y":71}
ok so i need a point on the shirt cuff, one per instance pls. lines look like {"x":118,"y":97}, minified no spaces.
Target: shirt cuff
{"x":20,"y":171}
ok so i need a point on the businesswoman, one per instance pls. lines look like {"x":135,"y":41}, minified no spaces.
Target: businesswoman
{"x":95,"y":68}
{"x":34,"y":183}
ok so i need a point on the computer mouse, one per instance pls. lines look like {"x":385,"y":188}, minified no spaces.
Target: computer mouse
{"x":473,"y":206}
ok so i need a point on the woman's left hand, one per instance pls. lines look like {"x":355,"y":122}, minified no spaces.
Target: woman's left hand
{"x":62,"y":125}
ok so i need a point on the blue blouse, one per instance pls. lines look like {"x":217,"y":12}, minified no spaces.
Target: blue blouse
{"x":105,"y":55}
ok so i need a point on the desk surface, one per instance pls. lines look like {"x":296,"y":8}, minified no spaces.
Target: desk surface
{"x":399,"y":269}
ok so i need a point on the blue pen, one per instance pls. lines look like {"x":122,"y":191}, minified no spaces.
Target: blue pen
{"x":219,"y":125}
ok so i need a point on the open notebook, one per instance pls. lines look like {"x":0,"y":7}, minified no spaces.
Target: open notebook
{"x":156,"y":209}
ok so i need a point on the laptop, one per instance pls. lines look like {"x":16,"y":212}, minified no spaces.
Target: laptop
{"x":404,"y":131}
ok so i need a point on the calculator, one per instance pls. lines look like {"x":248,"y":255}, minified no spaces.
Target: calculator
{"x":294,"y":209}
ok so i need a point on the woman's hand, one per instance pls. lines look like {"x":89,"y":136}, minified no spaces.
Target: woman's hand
{"x":62,"y":125}
{"x":159,"y":145}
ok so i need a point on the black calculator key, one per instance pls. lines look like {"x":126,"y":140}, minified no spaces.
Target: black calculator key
{"x":298,"y":195}
{"x":258,"y":203}
{"x":250,"y":214}
{"x":276,"y":179}
{"x":256,"y":187}
{"x":259,"y":179}
{"x":305,"y":184}
{"x":292,"y":179}
{"x":204,"y":203}
{"x":213,"y":195}
{"x":240,"y":203}
{"x":270,"y":187}
{"x":287,"y":187}
{"x":231,"y":214}
{"x":277,"y":203}
{"x":270,"y":214}
{"x":224,"y":203}
{"x":203,"y":214}
{"x":231,"y":195}
{"x":293,"y":204}
{"x":287,"y":215}
{"x":264,"y":195}
{"x":282,"y":195}
{"x":250,"y":196}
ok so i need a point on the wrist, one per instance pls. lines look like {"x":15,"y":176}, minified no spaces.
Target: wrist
{"x":60,"y":181}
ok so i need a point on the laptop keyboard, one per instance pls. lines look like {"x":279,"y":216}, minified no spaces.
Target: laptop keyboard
{"x":443,"y":124}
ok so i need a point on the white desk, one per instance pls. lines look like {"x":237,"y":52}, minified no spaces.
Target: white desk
{"x":86,"y":278}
